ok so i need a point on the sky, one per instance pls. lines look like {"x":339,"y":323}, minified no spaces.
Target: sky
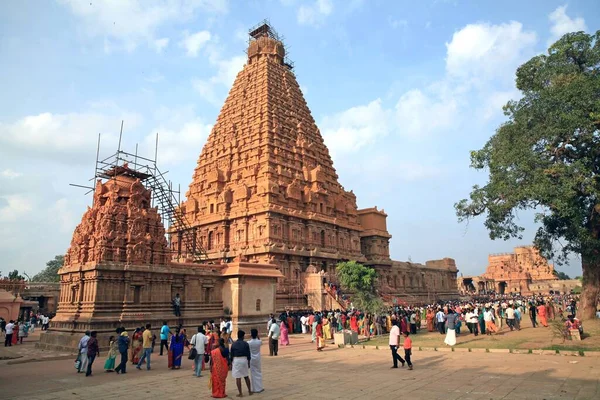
{"x":402,"y":91}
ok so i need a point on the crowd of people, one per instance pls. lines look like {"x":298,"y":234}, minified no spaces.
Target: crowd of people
{"x":16,"y":331}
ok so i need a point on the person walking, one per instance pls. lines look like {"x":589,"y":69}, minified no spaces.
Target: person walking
{"x":451,"y":319}
{"x":9,"y":329}
{"x":240,"y":362}
{"x":273,"y":337}
{"x":199,"y":342}
{"x":147,"y":346}
{"x":440,"y":319}
{"x":92,"y":352}
{"x":408,"y":350}
{"x":533,"y":314}
{"x":123,"y":343}
{"x":255,"y":362}
{"x":394,"y":340}
{"x":83,"y":352}
{"x":164,"y":337}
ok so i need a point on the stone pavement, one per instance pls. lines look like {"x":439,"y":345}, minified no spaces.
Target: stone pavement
{"x":300,"y":372}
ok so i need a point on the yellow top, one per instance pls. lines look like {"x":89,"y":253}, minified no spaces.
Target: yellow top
{"x":147,"y":337}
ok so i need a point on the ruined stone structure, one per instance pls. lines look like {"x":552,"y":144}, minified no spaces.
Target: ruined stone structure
{"x":524,"y":271}
{"x":265,"y":188}
{"x":118,"y":272}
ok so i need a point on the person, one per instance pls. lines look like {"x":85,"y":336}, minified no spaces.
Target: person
{"x":413,"y":322}
{"x":16,"y":330}
{"x":83,"y":351}
{"x":488,"y":317}
{"x":283,"y":334}
{"x":304,"y":322}
{"x":255,"y":362}
{"x":429,"y":317}
{"x":177,"y":305}
{"x":23,"y":331}
{"x":240,"y":362}
{"x":326,"y":327}
{"x":176,"y":349}
{"x":518,"y":318}
{"x":319,"y":334}
{"x":541,"y":312}
{"x":510,"y":317}
{"x":533,"y":314}
{"x":451,"y":319}
{"x":408,"y":350}
{"x":136,"y":345}
{"x":219,"y":358}
{"x":393,"y":341}
{"x":273,"y":337}
{"x":354,"y":323}
{"x":311,"y":326}
{"x":147,"y":348}
{"x":472,"y":319}
{"x":109,"y":364}
{"x":123,"y":346}
{"x":92,"y":352}
{"x":440,"y":320}
{"x":229,"y":325}
{"x":33,"y":322}
{"x":9,"y":329}
{"x":481,"y":320}
{"x":199,"y":342}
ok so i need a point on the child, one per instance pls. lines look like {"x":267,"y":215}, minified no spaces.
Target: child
{"x":407,"y":350}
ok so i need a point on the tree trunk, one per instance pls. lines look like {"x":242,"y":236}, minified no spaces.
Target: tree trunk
{"x":591,"y":289}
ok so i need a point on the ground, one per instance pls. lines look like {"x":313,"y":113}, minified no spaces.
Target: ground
{"x":300,"y":372}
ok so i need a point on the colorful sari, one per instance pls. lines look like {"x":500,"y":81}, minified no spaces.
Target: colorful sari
{"x":136,"y":347}
{"x":429,"y":317}
{"x":176,"y":350}
{"x":218,"y":373}
{"x":353,"y":324}
{"x":109,"y":364}
{"x":319,"y":333}
{"x":284,"y":340}
{"x":326,"y":329}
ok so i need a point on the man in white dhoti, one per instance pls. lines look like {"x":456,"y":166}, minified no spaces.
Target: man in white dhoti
{"x":240,"y":362}
{"x":451,"y":325}
{"x":255,"y":367}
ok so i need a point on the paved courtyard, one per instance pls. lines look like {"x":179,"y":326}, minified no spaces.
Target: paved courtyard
{"x":299,"y":372}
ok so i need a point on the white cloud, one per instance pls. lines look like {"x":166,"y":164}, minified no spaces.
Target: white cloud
{"x":179,"y":145}
{"x":16,"y":205}
{"x":194,"y":42}
{"x":562,"y":23}
{"x":161,"y":44}
{"x":482,"y":52}
{"x":10,"y":174}
{"x":397,"y":23}
{"x":212,"y":89}
{"x":315,"y":13}
{"x":126,"y":23}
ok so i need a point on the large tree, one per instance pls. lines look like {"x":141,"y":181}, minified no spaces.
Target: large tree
{"x":50,"y":273}
{"x":546,"y":157}
{"x":360,"y":281}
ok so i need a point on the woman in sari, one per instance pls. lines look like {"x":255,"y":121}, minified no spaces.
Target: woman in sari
{"x":219,"y":368}
{"x":326,"y":328}
{"x":15,"y":336}
{"x":353,"y":323}
{"x":284,"y":340}
{"x":290,"y":323}
{"x":176,"y":349}
{"x":319,"y":331}
{"x":429,"y":317}
{"x":109,"y":364}
{"x":136,"y":346}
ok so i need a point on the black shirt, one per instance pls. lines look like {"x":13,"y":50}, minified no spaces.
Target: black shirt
{"x":239,"y":348}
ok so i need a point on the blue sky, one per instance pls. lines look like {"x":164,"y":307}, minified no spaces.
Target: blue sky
{"x":401,"y":92}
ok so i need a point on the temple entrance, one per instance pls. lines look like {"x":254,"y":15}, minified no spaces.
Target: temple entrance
{"x":468,"y":285}
{"x":481,"y":287}
{"x":502,"y":287}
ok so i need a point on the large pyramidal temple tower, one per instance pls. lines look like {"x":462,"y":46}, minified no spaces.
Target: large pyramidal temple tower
{"x":265,"y":191}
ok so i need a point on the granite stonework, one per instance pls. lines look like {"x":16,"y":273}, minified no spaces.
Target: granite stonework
{"x":265,"y":187}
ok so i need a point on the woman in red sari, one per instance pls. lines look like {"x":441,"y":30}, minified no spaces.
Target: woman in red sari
{"x":319,"y":331}
{"x":354,"y":323}
{"x":219,"y":370}
{"x":136,"y":346}
{"x":429,"y":317}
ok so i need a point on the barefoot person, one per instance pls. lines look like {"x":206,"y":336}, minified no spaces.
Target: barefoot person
{"x":219,"y":359}
{"x":255,"y":362}
{"x":407,"y":350}
{"x":240,"y":362}
{"x":394,"y":340}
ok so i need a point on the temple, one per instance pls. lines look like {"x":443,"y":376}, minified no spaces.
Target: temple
{"x":264,"y":224}
{"x":525,"y":272}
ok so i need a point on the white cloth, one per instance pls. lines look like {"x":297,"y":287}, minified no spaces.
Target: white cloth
{"x":9,"y":328}
{"x":255,"y":365}
{"x":450,"y":337}
{"x":199,"y":341}
{"x":274,"y":331}
{"x":239,"y":367}
{"x":394,"y":335}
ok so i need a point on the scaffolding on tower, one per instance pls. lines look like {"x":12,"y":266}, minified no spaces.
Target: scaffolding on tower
{"x":164,"y":197}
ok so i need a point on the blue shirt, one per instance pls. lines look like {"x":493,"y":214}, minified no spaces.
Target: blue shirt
{"x":164,"y":332}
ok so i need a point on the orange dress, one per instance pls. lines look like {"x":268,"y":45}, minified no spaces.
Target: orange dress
{"x":218,"y":375}
{"x":542,"y":315}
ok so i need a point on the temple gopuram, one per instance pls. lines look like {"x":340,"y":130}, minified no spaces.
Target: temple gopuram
{"x":264,"y":224}
{"x":525,"y":272}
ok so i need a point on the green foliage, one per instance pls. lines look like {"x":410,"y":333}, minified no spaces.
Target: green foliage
{"x":15,"y":276}
{"x":360,"y":280}
{"x":561,"y":275}
{"x":50,"y":273}
{"x":546,"y":157}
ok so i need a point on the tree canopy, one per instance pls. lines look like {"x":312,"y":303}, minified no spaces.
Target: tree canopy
{"x":546,"y":157}
{"x":15,"y":276}
{"x":561,"y":275}
{"x":360,"y":281}
{"x":50,"y":273}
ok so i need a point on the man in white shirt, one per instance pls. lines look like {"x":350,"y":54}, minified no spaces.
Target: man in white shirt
{"x":440,"y":318}
{"x":394,"y":341}
{"x":10,"y":327}
{"x":83,"y":350}
{"x":510,"y":317}
{"x":269,"y":322}
{"x":199,"y":341}
{"x":304,"y":321}
{"x":274,"y":333}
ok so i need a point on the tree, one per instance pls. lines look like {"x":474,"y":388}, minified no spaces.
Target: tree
{"x":561,"y":275}
{"x":15,"y":276}
{"x":50,"y":273}
{"x":360,"y":280}
{"x":546,"y":157}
